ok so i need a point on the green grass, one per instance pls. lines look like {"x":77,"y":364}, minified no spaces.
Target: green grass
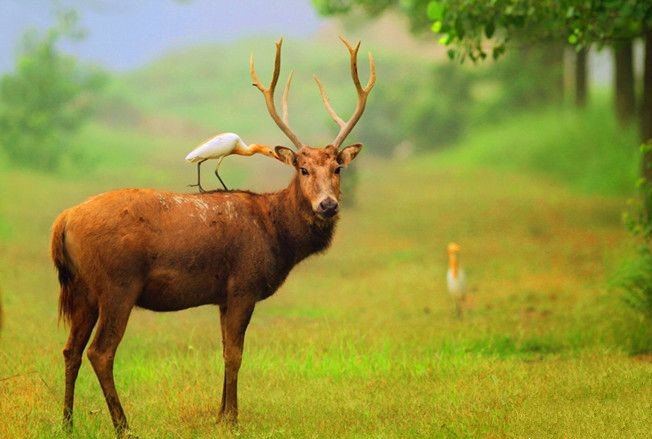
{"x":360,"y":342}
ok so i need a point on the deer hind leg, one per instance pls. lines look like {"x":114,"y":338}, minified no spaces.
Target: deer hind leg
{"x":82,"y":322}
{"x":110,"y":329}
{"x":238,"y":315}
{"x":223,"y":328}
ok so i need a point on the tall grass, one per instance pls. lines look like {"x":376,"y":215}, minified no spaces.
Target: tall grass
{"x":585,"y":149}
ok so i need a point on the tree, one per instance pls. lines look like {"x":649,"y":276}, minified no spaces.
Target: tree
{"x":46,"y":100}
{"x":624,"y":96}
{"x":646,"y":114}
{"x":474,"y":29}
{"x":466,"y":25}
{"x":618,"y":23}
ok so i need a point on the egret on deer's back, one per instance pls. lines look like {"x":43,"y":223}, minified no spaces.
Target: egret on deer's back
{"x":220,"y":146}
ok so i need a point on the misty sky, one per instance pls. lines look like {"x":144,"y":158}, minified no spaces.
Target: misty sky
{"x":124,"y":34}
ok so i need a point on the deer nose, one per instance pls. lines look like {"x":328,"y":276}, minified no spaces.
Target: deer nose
{"x":328,"y":207}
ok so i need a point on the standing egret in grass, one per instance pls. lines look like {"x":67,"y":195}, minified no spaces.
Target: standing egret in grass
{"x":456,"y":278}
{"x":219,"y":147}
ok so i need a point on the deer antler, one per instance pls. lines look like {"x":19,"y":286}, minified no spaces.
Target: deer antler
{"x":363,"y":93}
{"x":284,"y":98}
{"x":268,"y":93}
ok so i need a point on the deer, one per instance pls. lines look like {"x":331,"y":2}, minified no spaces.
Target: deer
{"x":165,"y":251}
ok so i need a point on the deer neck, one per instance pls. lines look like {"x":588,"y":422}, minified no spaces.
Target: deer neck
{"x":301,"y":233}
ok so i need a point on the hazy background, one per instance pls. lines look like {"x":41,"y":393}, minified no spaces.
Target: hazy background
{"x":124,"y":34}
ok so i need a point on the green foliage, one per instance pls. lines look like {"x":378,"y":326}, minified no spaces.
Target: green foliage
{"x":602,"y":22}
{"x":435,"y":119}
{"x":477,"y":29}
{"x":469,"y":26}
{"x":634,"y":276}
{"x":451,"y":99}
{"x":585,"y":149}
{"x":371,"y":7}
{"x":529,"y":77}
{"x":401,"y":113}
{"x":417,"y":11}
{"x":45,"y":100}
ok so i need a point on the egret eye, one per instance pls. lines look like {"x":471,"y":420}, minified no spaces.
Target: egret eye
{"x":304,"y":171}
{"x":338,"y":170}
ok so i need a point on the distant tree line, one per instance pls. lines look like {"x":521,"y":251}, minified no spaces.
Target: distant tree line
{"x":46,"y":99}
{"x":479,"y":29}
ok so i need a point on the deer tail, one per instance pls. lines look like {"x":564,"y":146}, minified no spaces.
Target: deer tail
{"x":62,"y":263}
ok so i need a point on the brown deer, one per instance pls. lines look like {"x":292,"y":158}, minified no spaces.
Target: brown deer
{"x":165,"y":251}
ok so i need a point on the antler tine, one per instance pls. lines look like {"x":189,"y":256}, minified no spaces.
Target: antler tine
{"x":363,"y":93}
{"x":284,"y":102}
{"x":268,"y":94}
{"x":254,"y":77}
{"x":327,"y":103}
{"x":353,"y":51}
{"x":372,"y":74}
{"x":277,"y":64}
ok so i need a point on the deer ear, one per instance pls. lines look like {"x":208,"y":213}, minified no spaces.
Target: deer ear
{"x":346,"y":155}
{"x":286,"y":155}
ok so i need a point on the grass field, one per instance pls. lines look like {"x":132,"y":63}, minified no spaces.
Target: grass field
{"x":362,"y":341}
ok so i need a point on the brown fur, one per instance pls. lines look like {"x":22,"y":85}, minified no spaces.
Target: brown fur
{"x":165,"y":252}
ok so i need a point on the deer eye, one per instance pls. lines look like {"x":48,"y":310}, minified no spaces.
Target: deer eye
{"x":304,"y":171}
{"x":338,"y":170}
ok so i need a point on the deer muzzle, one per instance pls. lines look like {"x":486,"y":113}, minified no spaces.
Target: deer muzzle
{"x":328,"y":207}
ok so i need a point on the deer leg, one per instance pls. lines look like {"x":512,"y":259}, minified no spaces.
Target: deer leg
{"x":81,"y":325}
{"x":238,"y":315}
{"x":198,"y":185}
{"x":111,"y":328}
{"x":223,"y":327}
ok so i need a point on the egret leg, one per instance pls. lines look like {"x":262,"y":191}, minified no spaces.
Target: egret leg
{"x":218,"y":175}
{"x":198,"y":185}
{"x":459,"y":311}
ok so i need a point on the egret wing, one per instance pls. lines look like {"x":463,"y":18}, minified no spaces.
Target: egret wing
{"x":215,"y":147}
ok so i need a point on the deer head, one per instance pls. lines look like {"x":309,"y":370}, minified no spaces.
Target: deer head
{"x":318,"y":169}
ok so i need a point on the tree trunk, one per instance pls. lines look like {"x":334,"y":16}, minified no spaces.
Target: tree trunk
{"x":625,"y":100}
{"x":555,"y":58}
{"x":569,"y":74}
{"x":581,"y":73}
{"x":646,"y":107}
{"x":646,"y":124}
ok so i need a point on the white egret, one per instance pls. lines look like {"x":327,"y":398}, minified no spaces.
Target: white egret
{"x":220,"y":146}
{"x":455,"y":278}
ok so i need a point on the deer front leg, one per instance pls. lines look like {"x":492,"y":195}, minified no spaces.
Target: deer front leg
{"x":235,"y":319}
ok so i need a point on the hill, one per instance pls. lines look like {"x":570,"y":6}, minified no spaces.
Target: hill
{"x":210,"y":86}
